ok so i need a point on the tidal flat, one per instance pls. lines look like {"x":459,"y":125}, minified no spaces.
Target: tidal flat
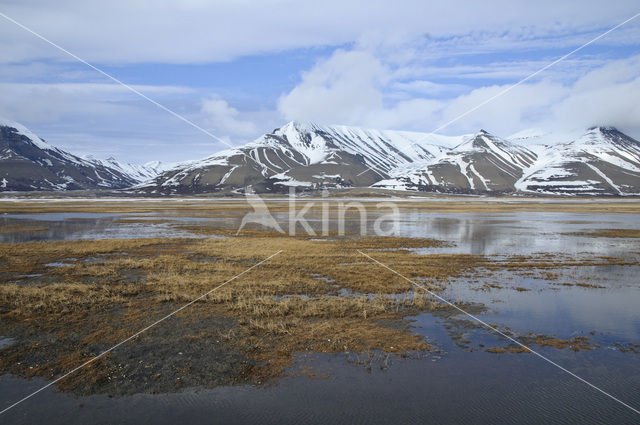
{"x":321,"y":325}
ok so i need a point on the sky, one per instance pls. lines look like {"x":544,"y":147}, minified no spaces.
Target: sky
{"x":242,"y":68}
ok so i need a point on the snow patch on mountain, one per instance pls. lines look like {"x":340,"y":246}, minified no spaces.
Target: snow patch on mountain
{"x":21,"y":129}
{"x":482,"y":162}
{"x":600,"y":148}
{"x":137,"y":172}
{"x":381,"y":149}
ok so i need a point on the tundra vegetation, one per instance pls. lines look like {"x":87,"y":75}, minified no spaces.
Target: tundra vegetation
{"x":64,"y":302}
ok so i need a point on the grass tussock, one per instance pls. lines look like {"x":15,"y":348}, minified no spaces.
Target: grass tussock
{"x":579,"y":343}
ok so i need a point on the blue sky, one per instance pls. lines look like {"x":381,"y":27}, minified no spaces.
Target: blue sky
{"x":240,"y":69}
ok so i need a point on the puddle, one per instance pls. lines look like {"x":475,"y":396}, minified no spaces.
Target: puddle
{"x":322,"y":278}
{"x":58,"y":264}
{"x":204,"y":259}
{"x":5,"y":342}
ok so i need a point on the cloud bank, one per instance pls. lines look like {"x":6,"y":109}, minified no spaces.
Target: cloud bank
{"x":356,"y":88}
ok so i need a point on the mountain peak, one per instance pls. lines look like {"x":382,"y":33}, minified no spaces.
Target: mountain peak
{"x":603,"y":128}
{"x":482,"y":133}
{"x":24,"y":131}
{"x":299,"y":126}
{"x":29,"y":163}
{"x":599,"y":132}
{"x":483,"y":141}
{"x":478,"y":139}
{"x":609,"y":134}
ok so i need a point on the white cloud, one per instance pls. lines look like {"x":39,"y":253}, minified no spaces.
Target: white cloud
{"x":614,"y":101}
{"x":569,"y":69}
{"x":341,"y":89}
{"x":225,"y":119}
{"x":107,"y":119}
{"x":121,"y":31}
{"x":605,"y":96}
{"x":429,"y":88}
{"x":51,"y":102}
{"x":357,"y":88}
{"x":414,"y":114}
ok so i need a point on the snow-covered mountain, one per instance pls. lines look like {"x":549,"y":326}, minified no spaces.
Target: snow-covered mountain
{"x":312,"y":156}
{"x":138,"y":172}
{"x":29,"y":163}
{"x":601,"y":161}
{"x":305,"y":155}
{"x":484,"y":163}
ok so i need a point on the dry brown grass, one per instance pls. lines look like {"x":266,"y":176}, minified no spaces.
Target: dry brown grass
{"x":281,"y":308}
{"x":11,"y":228}
{"x":578,"y":343}
{"x":496,"y":350}
{"x":610,"y":233}
{"x":231,"y":208}
{"x":547,"y":267}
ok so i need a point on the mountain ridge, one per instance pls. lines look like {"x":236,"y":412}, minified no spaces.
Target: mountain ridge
{"x":304,"y":155}
{"x":307,"y":156}
{"x":28,"y":162}
{"x":342,"y":156}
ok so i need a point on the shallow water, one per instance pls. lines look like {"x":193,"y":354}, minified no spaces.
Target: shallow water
{"x":459,"y":387}
{"x":84,"y":226}
{"x":522,"y":232}
{"x":469,"y":233}
{"x":456,"y":384}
